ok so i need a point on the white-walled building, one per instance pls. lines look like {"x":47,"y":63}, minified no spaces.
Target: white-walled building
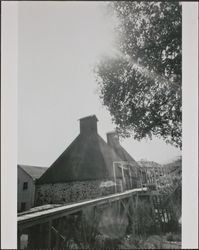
{"x":26,"y":176}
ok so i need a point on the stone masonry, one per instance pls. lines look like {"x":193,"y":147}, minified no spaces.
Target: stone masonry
{"x":73,"y":191}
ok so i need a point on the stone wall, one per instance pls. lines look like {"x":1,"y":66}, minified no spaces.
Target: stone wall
{"x":73,"y":191}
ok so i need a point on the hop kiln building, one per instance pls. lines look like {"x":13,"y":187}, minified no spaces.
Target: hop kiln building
{"x":88,"y":168}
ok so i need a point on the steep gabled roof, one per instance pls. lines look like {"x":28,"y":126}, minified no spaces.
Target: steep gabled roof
{"x":87,"y":158}
{"x":33,"y":171}
{"x":113,"y":141}
{"x":125,"y":156}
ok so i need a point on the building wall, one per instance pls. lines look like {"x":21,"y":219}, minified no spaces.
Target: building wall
{"x":73,"y":191}
{"x":25,"y":195}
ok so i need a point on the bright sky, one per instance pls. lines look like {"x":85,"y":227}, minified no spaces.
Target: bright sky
{"x":59,"y":42}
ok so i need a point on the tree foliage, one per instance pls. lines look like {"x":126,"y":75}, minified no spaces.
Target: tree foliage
{"x":141,"y":84}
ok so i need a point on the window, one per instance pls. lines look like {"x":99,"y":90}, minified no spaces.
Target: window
{"x":25,"y":185}
{"x":23,"y":206}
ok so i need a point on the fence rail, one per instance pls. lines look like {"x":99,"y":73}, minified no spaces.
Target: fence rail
{"x":26,"y":220}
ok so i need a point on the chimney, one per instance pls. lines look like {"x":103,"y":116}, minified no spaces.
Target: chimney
{"x":113,"y":139}
{"x":88,"y":125}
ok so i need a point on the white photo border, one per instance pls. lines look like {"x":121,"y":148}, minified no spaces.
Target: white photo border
{"x":9,"y":22}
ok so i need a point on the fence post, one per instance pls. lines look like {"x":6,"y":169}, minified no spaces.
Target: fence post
{"x":49,"y":234}
{"x":19,"y":239}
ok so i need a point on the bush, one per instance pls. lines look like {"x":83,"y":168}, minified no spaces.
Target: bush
{"x":169,"y":237}
{"x":173,"y":237}
{"x":142,"y":218}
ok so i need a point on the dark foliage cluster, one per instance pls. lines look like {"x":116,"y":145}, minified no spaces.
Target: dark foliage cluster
{"x":141,"y":84}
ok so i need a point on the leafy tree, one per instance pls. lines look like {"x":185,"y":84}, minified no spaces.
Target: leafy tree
{"x":141,"y":84}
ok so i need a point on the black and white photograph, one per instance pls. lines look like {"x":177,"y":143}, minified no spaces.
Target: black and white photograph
{"x":99,"y":126}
